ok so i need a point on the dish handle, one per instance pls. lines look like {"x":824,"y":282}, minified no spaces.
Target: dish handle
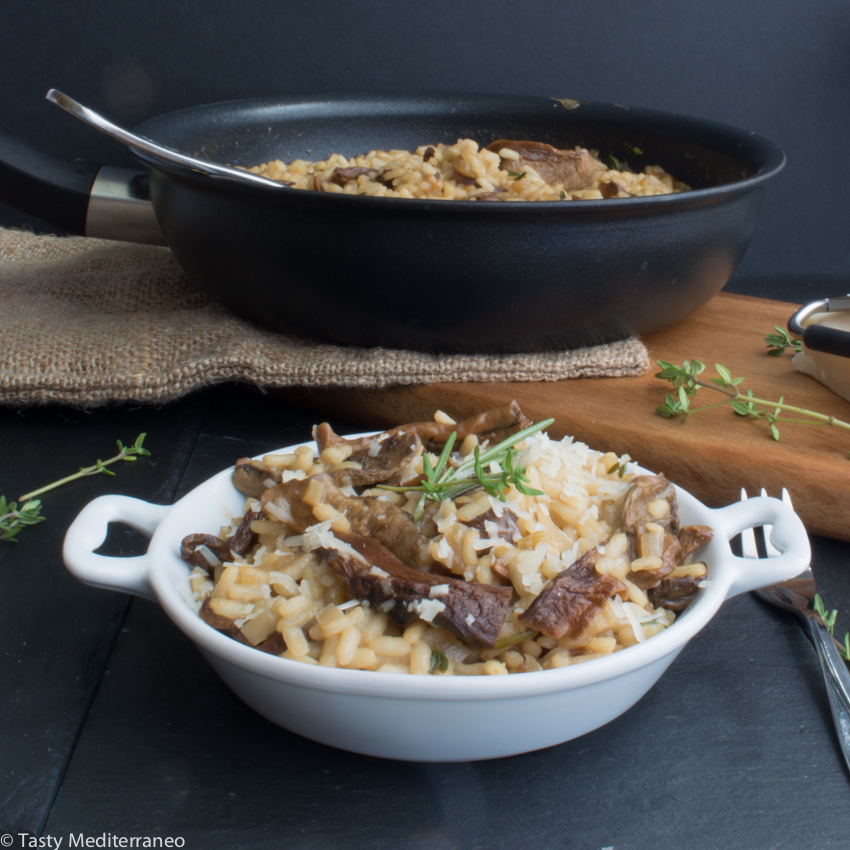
{"x":87,"y":533}
{"x":788,"y":535}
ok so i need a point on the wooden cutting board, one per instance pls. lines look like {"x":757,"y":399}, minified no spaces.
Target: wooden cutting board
{"x":713,"y":455}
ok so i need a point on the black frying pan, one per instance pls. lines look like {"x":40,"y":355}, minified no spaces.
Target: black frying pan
{"x":446,"y":276}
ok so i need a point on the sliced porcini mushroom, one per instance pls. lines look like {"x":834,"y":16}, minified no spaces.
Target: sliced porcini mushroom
{"x":341,"y":176}
{"x":385,"y":457}
{"x":643,"y":504}
{"x":191,"y":552}
{"x":572,"y":599}
{"x":463,"y":179}
{"x":692,"y":537}
{"x":273,"y":643}
{"x":572,"y":169}
{"x":651,"y":521}
{"x":674,"y":594}
{"x":491,"y":526}
{"x":488,"y":196}
{"x":253,"y":477}
{"x":612,"y":189}
{"x":239,"y":543}
{"x":293,"y":502}
{"x":243,"y":539}
{"x":487,"y":425}
{"x":474,"y":612}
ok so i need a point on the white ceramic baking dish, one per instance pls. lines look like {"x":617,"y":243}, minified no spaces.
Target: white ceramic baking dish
{"x":421,"y":718}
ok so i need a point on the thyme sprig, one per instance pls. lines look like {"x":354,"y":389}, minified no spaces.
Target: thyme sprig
{"x":778,"y":342}
{"x":128,"y":453}
{"x":495,"y":469}
{"x":829,"y":621}
{"x":14,"y":519}
{"x":686,"y":381}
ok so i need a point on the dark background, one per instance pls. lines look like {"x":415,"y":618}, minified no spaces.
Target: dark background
{"x":775,"y":67}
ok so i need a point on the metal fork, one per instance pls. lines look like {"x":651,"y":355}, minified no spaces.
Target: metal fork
{"x":797,"y":595}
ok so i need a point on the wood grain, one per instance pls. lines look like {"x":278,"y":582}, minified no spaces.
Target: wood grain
{"x":713,"y":455}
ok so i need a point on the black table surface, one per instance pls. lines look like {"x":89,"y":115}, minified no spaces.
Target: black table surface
{"x":114,"y":726}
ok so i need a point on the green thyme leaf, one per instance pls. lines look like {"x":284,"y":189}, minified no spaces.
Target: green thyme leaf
{"x":686,"y":381}
{"x":12,"y":519}
{"x":778,"y":342}
{"x":517,"y":175}
{"x":615,"y":162}
{"x":439,"y":662}
{"x":513,"y":640}
{"x":828,"y":618}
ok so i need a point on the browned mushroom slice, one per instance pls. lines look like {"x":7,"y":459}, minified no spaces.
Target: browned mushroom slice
{"x":273,"y":644}
{"x":644,"y":503}
{"x":341,"y":176}
{"x":651,"y":520}
{"x":666,"y":548}
{"x":370,"y":517}
{"x":253,"y":477}
{"x":674,"y":594}
{"x":243,"y":539}
{"x":487,"y":196}
{"x":463,"y":179}
{"x":612,"y":189}
{"x":572,"y":169}
{"x":240,"y":542}
{"x":217,"y":621}
{"x":190,"y":554}
{"x":474,"y":612}
{"x":489,"y":525}
{"x":571,"y":600}
{"x":486,"y":425}
{"x":382,"y":461}
{"x":691,"y":537}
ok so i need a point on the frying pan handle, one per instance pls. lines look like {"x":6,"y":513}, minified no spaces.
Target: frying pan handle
{"x":79,"y":198}
{"x":39,"y":185}
{"x":828,"y":340}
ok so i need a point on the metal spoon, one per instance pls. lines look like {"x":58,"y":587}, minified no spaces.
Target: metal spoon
{"x":147,"y":146}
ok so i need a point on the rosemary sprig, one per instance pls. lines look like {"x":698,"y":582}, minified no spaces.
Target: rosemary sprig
{"x":686,"y":382}
{"x":13,"y":519}
{"x":128,"y":453}
{"x":446,"y":482}
{"x":778,"y":342}
{"x":829,"y":621}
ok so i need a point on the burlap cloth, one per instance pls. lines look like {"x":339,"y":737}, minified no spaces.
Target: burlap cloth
{"x":87,"y":322}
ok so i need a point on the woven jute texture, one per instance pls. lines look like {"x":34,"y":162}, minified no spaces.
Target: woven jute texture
{"x":89,"y":322}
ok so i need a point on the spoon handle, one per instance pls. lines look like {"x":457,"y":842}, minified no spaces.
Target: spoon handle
{"x":140,"y":143}
{"x":837,"y":681}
